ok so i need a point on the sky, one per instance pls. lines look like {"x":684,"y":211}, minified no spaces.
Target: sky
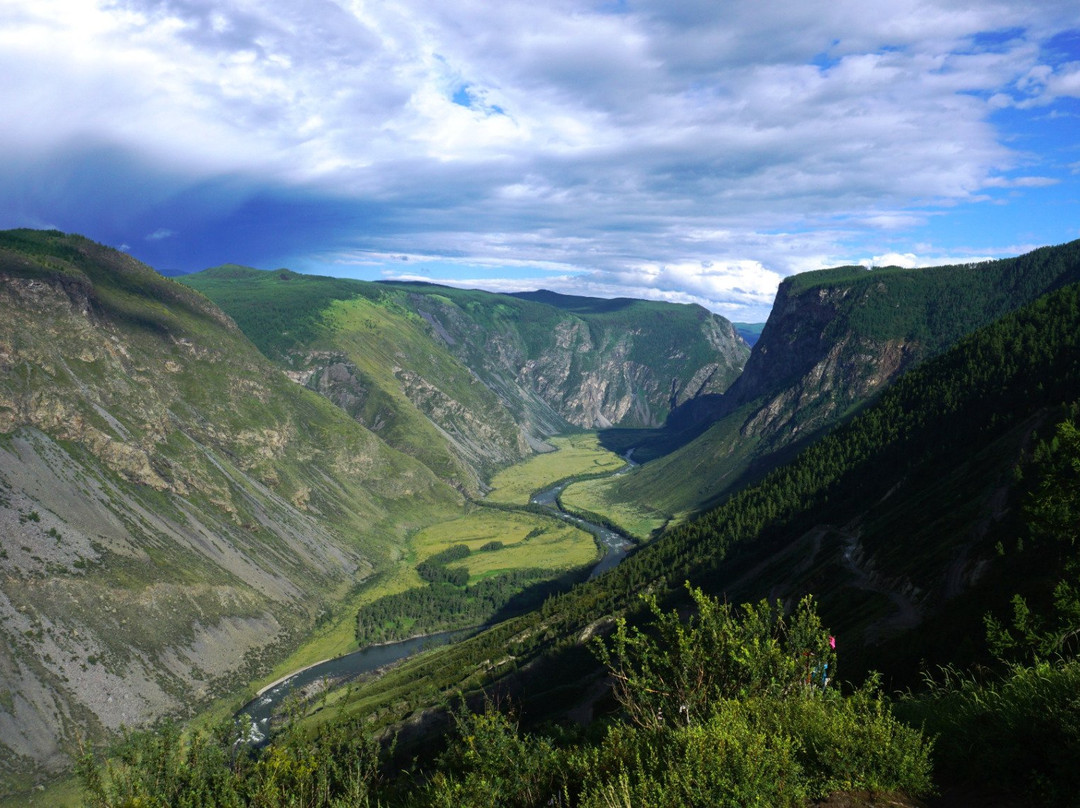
{"x":695,"y":151}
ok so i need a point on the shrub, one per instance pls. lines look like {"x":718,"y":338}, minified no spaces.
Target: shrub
{"x":491,"y":764}
{"x":677,"y":671}
{"x":1020,"y":733}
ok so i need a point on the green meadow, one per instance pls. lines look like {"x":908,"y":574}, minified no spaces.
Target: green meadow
{"x":574,"y":456}
{"x":528,"y":541}
{"x":593,"y":497}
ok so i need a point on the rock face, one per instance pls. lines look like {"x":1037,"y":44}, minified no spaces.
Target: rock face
{"x":469,"y":381}
{"x":836,"y":337}
{"x":812,"y":364}
{"x":174,"y":512}
{"x":592,"y":363}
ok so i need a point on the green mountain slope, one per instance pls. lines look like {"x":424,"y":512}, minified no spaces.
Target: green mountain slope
{"x":176,"y":513}
{"x":835,"y":338}
{"x":469,"y":381}
{"x":360,"y":347}
{"x":888,"y":518}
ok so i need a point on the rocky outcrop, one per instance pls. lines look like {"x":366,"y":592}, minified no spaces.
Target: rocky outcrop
{"x":811,"y":364}
{"x":623,"y":363}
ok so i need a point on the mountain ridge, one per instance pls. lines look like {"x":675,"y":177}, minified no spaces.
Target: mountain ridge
{"x":495,"y":374}
{"x":176,"y":513}
{"x":834,"y":340}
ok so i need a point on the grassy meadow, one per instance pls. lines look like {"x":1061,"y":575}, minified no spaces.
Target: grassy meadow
{"x":574,"y":456}
{"x":593,"y":496}
{"x":528,"y":541}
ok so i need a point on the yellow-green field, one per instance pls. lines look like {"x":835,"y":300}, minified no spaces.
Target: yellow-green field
{"x":592,"y":495}
{"x":574,"y":455}
{"x":553,"y":545}
{"x":529,"y":541}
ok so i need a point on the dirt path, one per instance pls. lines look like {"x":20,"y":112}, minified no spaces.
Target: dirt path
{"x":907,"y":614}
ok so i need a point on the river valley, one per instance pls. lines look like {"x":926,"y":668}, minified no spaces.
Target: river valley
{"x":309,"y":681}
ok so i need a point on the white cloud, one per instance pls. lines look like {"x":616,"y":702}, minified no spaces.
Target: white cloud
{"x":1020,"y":182}
{"x":701,"y":150}
{"x":912,"y":261}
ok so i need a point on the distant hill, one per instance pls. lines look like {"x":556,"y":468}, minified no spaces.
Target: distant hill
{"x":468,"y":381}
{"x":750,"y":332}
{"x":576,"y":303}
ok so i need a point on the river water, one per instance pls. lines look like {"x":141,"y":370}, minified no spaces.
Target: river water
{"x":339,"y":670}
{"x":333,"y":672}
{"x":615,"y":545}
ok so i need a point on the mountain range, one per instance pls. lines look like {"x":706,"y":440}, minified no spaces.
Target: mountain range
{"x":194,"y":472}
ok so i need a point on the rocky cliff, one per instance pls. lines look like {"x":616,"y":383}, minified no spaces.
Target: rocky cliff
{"x":834,"y":339}
{"x":812,"y":362}
{"x":594,"y":363}
{"x":469,"y":381}
{"x":175,"y":513}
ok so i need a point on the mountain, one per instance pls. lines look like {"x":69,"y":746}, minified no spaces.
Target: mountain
{"x":470,"y":381}
{"x":594,"y":362}
{"x":835,"y":339}
{"x":750,"y":332}
{"x":903,"y":521}
{"x":176,"y":512}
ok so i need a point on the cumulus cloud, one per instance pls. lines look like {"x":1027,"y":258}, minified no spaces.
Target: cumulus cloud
{"x":692,"y":151}
{"x":912,"y":261}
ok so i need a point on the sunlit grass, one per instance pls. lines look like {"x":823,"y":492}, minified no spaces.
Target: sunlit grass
{"x":65,"y":793}
{"x":529,"y":542}
{"x":575,"y":455}
{"x":594,"y":496}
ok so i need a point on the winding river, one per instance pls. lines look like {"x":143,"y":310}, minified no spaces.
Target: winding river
{"x":342,"y":669}
{"x":332,"y":672}
{"x":615,"y":545}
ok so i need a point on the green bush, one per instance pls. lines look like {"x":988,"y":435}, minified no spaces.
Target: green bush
{"x":676,"y":671}
{"x":334,"y":768}
{"x":1020,"y":733}
{"x":491,"y":764}
{"x":854,"y":744}
{"x":731,"y":759}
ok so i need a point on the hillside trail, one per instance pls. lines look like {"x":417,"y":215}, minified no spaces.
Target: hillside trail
{"x":808,"y":546}
{"x":906,"y":615}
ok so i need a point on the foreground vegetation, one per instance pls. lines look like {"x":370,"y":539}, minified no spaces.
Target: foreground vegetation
{"x":734,"y":708}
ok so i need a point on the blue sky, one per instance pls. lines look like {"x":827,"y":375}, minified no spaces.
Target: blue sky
{"x":692,"y":151}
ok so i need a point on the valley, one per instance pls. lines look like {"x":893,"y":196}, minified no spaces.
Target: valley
{"x":206,"y":485}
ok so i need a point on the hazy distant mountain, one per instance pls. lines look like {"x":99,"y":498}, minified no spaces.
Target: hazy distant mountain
{"x":750,"y":332}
